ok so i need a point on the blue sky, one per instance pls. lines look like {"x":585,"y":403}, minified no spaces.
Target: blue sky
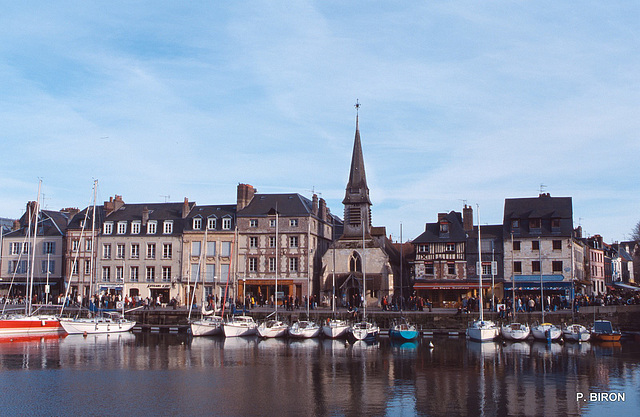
{"x":461,"y":102}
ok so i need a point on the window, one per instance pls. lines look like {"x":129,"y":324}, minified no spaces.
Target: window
{"x":25,"y":247}
{"x":355,"y":264}
{"x":48,"y":267}
{"x":428,"y":268}
{"x":167,"y":227}
{"x":108,"y":228}
{"x":557,"y":245}
{"x":451,"y":247}
{"x":423,"y":248}
{"x":119,"y":273}
{"x":151,"y":251}
{"x":133,"y":274}
{"x":272,"y":264}
{"x":87,"y":267}
{"x":516,"y":245}
{"x":195,"y":248}
{"x":293,"y":241}
{"x":486,"y":268}
{"x":49,"y":248}
{"x":253,"y":264}
{"x":195,"y":272}
{"x":224,"y":272}
{"x":253,"y":242}
{"x":210,"y":273}
{"x":197,"y":223}
{"x":444,"y":227}
{"x":535,"y":266}
{"x":166,"y":274}
{"x":14,"y":248}
{"x":211,"y":248}
{"x":106,"y":251}
{"x":211,"y":223}
{"x":451,"y":268}
{"x":120,"y":251}
{"x":226,"y":223}
{"x":272,"y":222}
{"x":515,"y":223}
{"x":88,"y":245}
{"x":557,"y":266}
{"x":135,"y":228}
{"x":106,"y":273}
{"x":293,"y":264}
{"x":167,"y":250}
{"x":122,"y":228}
{"x":225,"y":249}
{"x":75,"y":245}
{"x":272,"y":241}
{"x":517,"y":267}
{"x":74,"y":268}
{"x":151,"y":274}
{"x":555,"y":223}
{"x":293,"y":222}
{"x":152,"y":227}
{"x":253,"y":223}
{"x":535,"y":245}
{"x":135,"y":250}
{"x":534,"y":223}
{"x":355,"y":216}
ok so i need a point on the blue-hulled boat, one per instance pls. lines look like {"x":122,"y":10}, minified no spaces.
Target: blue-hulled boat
{"x":401,"y":329}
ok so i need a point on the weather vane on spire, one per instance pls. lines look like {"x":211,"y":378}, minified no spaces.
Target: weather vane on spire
{"x":357,"y":106}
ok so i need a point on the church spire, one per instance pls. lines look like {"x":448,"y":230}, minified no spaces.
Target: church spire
{"x":356,"y":200}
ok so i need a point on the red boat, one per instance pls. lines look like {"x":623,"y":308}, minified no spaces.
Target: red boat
{"x":23,"y":325}
{"x":603,"y":332}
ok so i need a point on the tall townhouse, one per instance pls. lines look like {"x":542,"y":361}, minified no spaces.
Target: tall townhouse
{"x":23,"y":255}
{"x":537,"y":235}
{"x":596,"y":265}
{"x":208,"y":256}
{"x":140,"y":249}
{"x":79,"y":254}
{"x":283,"y":236}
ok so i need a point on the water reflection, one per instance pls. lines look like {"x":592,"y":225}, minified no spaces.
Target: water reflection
{"x":247,"y":376}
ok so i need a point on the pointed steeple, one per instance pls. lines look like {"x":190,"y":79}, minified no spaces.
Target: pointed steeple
{"x":357,"y":205}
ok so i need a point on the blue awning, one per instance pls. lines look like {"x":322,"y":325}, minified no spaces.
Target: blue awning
{"x":626,"y":286}
{"x":536,"y":285}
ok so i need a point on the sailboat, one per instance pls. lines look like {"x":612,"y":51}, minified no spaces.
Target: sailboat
{"x":514,"y":330}
{"x":334,"y":328}
{"x":274,"y":327}
{"x":574,"y":332}
{"x":401,"y":329}
{"x":544,"y":331}
{"x":481,"y":330}
{"x":103,"y":322}
{"x":209,"y":324}
{"x":30,"y":323}
{"x":364,"y":330}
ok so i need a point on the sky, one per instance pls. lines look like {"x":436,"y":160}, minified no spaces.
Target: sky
{"x":462,"y":102}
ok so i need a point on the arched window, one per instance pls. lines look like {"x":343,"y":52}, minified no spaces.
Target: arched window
{"x":355,"y":264}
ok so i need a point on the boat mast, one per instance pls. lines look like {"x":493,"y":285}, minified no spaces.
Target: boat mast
{"x":277,"y":256}
{"x":93,"y":240}
{"x":33,"y":249}
{"x":308,"y":265}
{"x":480,"y":265}
{"x":513,"y":281}
{"x":541,"y":283}
{"x":364,"y":277}
{"x":401,"y":262}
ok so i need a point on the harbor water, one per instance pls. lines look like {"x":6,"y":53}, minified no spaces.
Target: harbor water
{"x":175,"y":374}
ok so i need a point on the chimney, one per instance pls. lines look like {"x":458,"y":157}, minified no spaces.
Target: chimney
{"x":113,"y":204}
{"x":16,"y":225}
{"x":145,"y":215}
{"x":245,"y":194}
{"x":441,"y":216}
{"x":314,"y":204}
{"x":577,"y":232}
{"x":322,"y":210}
{"x":185,"y":208}
{"x":467,"y":218}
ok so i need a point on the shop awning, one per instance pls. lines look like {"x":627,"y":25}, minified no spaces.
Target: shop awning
{"x":626,"y":286}
{"x":448,"y":286}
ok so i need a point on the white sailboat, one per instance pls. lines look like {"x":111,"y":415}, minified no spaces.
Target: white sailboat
{"x":30,"y":323}
{"x":240,"y":326}
{"x":273,"y":327}
{"x":209,"y":324}
{"x":103,"y":322}
{"x":364,"y":330}
{"x":514,"y":330}
{"x":481,"y":330}
{"x":574,"y":332}
{"x":544,"y":331}
{"x":335,"y":328}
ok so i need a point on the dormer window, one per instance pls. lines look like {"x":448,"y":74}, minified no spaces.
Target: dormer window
{"x":515,"y":223}
{"x":122,"y":228}
{"x":534,"y":223}
{"x":197,"y":223}
{"x":555,"y":224}
{"x":226,"y":223}
{"x":211,"y":223}
{"x":444,"y":227}
{"x":152,"y":227}
{"x":135,"y":228}
{"x":108,"y":228}
{"x":167,"y":227}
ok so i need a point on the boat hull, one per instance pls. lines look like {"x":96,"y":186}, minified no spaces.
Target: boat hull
{"x":364,"y":331}
{"x":482,"y":331}
{"x":576,"y":333}
{"x":546,"y":331}
{"x":515,"y":331}
{"x":335,"y":329}
{"x":272,"y":330}
{"x":304,"y":331}
{"x":30,"y":325}
{"x":94,"y":326}
{"x":206,"y":327}
{"x":240,"y":326}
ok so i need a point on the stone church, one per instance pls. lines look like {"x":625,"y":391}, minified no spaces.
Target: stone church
{"x":362,"y":260}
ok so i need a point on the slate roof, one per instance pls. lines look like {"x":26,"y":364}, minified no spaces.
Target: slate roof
{"x":50,"y":223}
{"x":212,"y":211}
{"x":543,"y":207}
{"x":432,"y":231}
{"x":75,"y":222}
{"x":157,"y":211}
{"x":263,"y":205}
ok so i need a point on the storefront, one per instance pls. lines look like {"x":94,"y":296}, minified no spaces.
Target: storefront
{"x":450,"y":294}
{"x":160,"y":292}
{"x":529,"y":285}
{"x":264,"y":289}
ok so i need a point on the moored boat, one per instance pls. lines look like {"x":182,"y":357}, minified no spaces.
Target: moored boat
{"x":515,"y":331}
{"x":482,"y":330}
{"x":240,"y":326}
{"x":273,"y":328}
{"x":25,"y":325}
{"x":401,"y":329}
{"x":335,"y":328}
{"x":207,"y":326}
{"x":107,"y":322}
{"x":546,"y":331}
{"x":364,"y":330}
{"x":304,"y":329}
{"x":603,"y":332}
{"x":576,"y":333}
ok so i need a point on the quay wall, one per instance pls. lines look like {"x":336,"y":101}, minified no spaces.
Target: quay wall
{"x":625,"y":318}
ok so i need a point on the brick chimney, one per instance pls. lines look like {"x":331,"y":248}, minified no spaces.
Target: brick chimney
{"x":185,"y":208}
{"x":145,"y":215}
{"x":322,"y":210}
{"x":467,"y":218}
{"x":314,"y":204}
{"x":16,"y":225}
{"x":245,"y":194}
{"x":114,"y":203}
{"x":441,"y":216}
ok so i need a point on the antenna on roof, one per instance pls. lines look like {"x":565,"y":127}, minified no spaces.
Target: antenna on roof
{"x":542,"y":188}
{"x":313,"y":191}
{"x":166,"y":198}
